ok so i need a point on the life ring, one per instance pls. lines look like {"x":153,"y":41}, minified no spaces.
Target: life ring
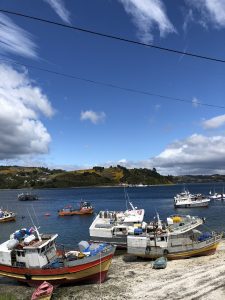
{"x":139,"y":211}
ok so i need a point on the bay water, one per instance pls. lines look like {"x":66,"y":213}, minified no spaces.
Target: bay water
{"x":73,"y":229}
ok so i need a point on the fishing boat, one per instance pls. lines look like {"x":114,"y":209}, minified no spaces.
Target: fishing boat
{"x":27,"y":197}
{"x":43,"y":292}
{"x":31,"y":257}
{"x":160,"y":263}
{"x":113,"y":226}
{"x":85,"y":209}
{"x":217,"y":196}
{"x":7,"y":216}
{"x":187,"y":200}
{"x":176,"y":238}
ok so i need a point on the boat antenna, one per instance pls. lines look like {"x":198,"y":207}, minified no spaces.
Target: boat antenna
{"x":35,"y":227}
{"x":128,"y":199}
{"x":158,"y":220}
{"x":32,"y":221}
{"x":35,"y":216}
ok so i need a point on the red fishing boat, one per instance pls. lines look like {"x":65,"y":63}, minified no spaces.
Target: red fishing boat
{"x":43,"y":292}
{"x":85,"y":208}
{"x":31,"y":257}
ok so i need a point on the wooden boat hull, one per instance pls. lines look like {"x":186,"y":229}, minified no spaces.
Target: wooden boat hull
{"x":8,"y":219}
{"x":94,"y":271}
{"x":75,"y":212}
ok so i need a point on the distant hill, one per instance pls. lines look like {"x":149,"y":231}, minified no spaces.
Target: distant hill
{"x":31,"y":177}
{"x":14,"y":177}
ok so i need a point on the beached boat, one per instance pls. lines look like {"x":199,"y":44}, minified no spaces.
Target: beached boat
{"x":187,"y":200}
{"x":113,"y":227}
{"x":175,"y":239}
{"x":7,"y":216}
{"x":31,"y":257}
{"x":85,"y":209}
{"x":27,"y":197}
{"x":160,"y":263}
{"x":43,"y":292}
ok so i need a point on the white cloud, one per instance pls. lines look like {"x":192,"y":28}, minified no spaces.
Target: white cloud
{"x":196,"y":154}
{"x":195,"y":102}
{"x":148,"y":14}
{"x":60,"y":9}
{"x":21,"y":102}
{"x":214,"y":122}
{"x":92,"y":116}
{"x":14,"y":39}
{"x":211,"y":11}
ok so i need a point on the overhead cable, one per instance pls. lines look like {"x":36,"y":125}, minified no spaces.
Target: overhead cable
{"x":114,"y":86}
{"x":114,"y":37}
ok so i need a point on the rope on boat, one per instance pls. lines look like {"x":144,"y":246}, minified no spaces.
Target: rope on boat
{"x":100,"y":276}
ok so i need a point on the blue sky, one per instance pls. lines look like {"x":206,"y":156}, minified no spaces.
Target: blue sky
{"x":54,"y":121}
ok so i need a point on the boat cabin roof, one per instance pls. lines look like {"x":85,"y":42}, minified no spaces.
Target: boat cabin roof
{"x":45,"y":239}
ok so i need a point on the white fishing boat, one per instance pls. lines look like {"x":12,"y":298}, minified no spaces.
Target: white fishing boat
{"x":177,"y":238}
{"x":113,"y":226}
{"x":217,"y":196}
{"x":187,"y":200}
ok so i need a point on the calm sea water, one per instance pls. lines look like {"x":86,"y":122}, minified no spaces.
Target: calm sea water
{"x":73,"y":229}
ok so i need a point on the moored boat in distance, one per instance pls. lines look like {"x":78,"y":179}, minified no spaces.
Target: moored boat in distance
{"x":85,"y":209}
{"x":176,"y":239}
{"x":7,"y":216}
{"x":217,"y":196}
{"x":186,"y":200}
{"x":27,"y":197}
{"x":31,"y":257}
{"x":113,"y":226}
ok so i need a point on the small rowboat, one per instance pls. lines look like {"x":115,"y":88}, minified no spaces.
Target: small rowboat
{"x":160,"y":263}
{"x":43,"y":292}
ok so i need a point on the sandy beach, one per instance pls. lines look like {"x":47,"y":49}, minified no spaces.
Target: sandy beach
{"x":133,"y":278}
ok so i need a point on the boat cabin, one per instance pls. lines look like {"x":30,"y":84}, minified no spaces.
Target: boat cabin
{"x":31,"y":251}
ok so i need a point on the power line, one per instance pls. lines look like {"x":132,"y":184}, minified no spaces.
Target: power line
{"x":114,"y":86}
{"x":114,"y":37}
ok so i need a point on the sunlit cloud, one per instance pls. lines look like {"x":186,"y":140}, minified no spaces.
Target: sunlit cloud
{"x":210,"y":11}
{"x":14,"y":39}
{"x":94,"y":117}
{"x":148,"y":15}
{"x":22,"y":102}
{"x":215,"y":122}
{"x":60,"y":9}
{"x":196,"y":155}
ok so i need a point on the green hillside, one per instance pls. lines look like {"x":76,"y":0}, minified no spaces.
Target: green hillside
{"x":31,"y":177}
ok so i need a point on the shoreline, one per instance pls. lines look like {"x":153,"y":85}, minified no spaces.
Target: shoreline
{"x":133,"y":278}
